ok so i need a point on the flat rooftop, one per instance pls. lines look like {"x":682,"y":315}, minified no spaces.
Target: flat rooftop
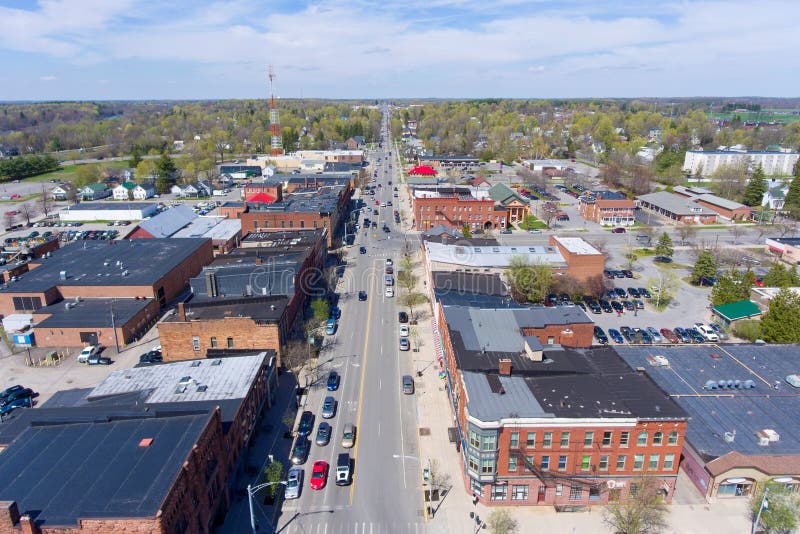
{"x":169,"y":221}
{"x":62,"y":473}
{"x":136,"y":262}
{"x":770,"y":403}
{"x":577,"y":245}
{"x":323,"y":200}
{"x":91,"y":313}
{"x":591,"y":383}
{"x":111,"y":206}
{"x":240,"y":276}
{"x":258,"y":308}
{"x":492,"y":256}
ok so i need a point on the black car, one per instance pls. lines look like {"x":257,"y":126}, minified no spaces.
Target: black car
{"x":362,"y":250}
{"x":9,"y":391}
{"x":154,"y":356}
{"x":7,"y":408}
{"x":633,"y":292}
{"x":645,"y":293}
{"x":629,"y":306}
{"x":97,"y":359}
{"x":600,"y":335}
{"x":606,"y":307}
{"x":362,"y":295}
{"x":595,"y":307}
{"x":333,"y":381}
{"x":402,"y":317}
{"x":24,"y":393}
{"x":662,"y":259}
{"x":551,"y":300}
{"x":608,"y":274}
{"x":616,"y":305}
{"x":627,"y":333}
{"x":564,"y":298}
{"x":620,"y":291}
{"x":306,"y":424}
{"x":627,"y":273}
{"x":300,"y":451}
{"x":619,"y":274}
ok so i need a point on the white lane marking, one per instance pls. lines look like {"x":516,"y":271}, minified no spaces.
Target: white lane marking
{"x":380,"y":383}
{"x":379,"y":429}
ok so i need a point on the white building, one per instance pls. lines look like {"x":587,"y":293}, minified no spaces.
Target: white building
{"x":707,"y":162}
{"x":109,"y":211}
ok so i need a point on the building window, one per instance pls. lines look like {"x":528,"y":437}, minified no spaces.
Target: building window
{"x":588,"y":439}
{"x":213,"y":342}
{"x":594,"y":492}
{"x":607,"y":437}
{"x":230,"y":342}
{"x":519,"y":493}
{"x":655,"y":459}
{"x":673,"y":438}
{"x":624,"y":437}
{"x":487,"y":466}
{"x":530,"y":440}
{"x":489,"y":443}
{"x":195,"y":343}
{"x":564,"y":439}
{"x":512,"y":463}
{"x":642,"y":439}
{"x":575,"y":492}
{"x":514,"y":441}
{"x":551,"y":340}
{"x":529,"y":463}
{"x":562,"y":463}
{"x":302,"y":224}
{"x":621,"y":462}
{"x":559,"y":489}
{"x":474,"y":441}
{"x":548,"y":439}
{"x":283,"y":224}
{"x":314,"y":223}
{"x":634,"y":491}
{"x":658,"y":438}
{"x":472,"y":462}
{"x":586,"y":462}
{"x":638,"y":462}
{"x":603,"y":463}
{"x":475,"y":487}
{"x":669,"y":461}
{"x":291,"y":223}
{"x":544,"y":464}
{"x":499,"y":492}
{"x":255,"y":225}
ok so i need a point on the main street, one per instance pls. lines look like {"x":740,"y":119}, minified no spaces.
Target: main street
{"x":386,"y":493}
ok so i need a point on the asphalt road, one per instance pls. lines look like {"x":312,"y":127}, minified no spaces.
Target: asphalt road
{"x":386,"y":493}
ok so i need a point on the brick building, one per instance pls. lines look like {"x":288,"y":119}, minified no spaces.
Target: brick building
{"x":539,"y":425}
{"x":273,"y":188}
{"x":457,"y":209}
{"x":727,"y":209}
{"x":316,"y":209}
{"x":231,"y":210}
{"x":583,"y":260}
{"x":146,"y":268}
{"x":170,"y":467}
{"x":459,"y":163}
{"x":677,"y":208}
{"x":608,"y":208}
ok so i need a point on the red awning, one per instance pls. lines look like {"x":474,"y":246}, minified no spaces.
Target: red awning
{"x":776,"y":249}
{"x":263,"y":198}
{"x":422,"y":170}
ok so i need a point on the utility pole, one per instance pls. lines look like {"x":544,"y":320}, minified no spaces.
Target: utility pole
{"x":114,"y":327}
{"x":764,"y":504}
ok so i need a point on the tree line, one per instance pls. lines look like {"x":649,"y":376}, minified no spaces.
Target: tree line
{"x":24,"y":166}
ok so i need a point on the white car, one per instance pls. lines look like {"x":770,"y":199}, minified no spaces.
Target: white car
{"x":707,"y":332}
{"x":403,"y":330}
{"x":294,"y":483}
{"x":83,"y":357}
{"x":390,"y":292}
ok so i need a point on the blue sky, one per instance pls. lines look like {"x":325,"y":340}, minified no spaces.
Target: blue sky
{"x":174,"y":49}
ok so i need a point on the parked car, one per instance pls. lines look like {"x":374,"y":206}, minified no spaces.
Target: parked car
{"x":8,"y":391}
{"x":319,"y":475}
{"x":403,"y":330}
{"x":10,"y":406}
{"x":669,"y":335}
{"x":627,"y":273}
{"x":348,"y":435}
{"x":697,"y":337}
{"x":600,"y":335}
{"x":721,"y":333}
{"x":97,"y":359}
{"x":618,"y":230}
{"x":402,"y":317}
{"x":662,"y":259}
{"x":294,"y":483}
{"x":621,"y":292}
{"x":643,"y":292}
{"x":330,"y":327}
{"x":615,"y":335}
{"x":638,"y":304}
{"x":83,"y":357}
{"x":300,"y":450}
{"x":152,"y":356}
{"x":333,"y":381}
{"x":595,"y":307}
{"x":343,"y":473}
{"x":655,"y":335}
{"x":628,"y":305}
{"x":627,"y":333}
{"x":404,"y":345}
{"x":408,"y":385}
{"x":633,"y":292}
{"x":323,"y":434}
{"x":17,"y":394}
{"x":551,"y":300}
{"x":617,"y":306}
{"x":306,"y":424}
{"x":707,"y":332}
{"x":328,"y":407}
{"x":682,"y":335}
{"x":604,"y":304}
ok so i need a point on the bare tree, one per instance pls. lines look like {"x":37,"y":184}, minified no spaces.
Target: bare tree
{"x":28,"y":211}
{"x":686,"y":232}
{"x":501,"y":522}
{"x":44,"y":201}
{"x":295,"y":356}
{"x":642,"y":512}
{"x":736,"y":231}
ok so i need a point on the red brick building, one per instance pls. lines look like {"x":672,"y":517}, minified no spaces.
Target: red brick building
{"x":727,"y":209}
{"x":583,"y":260}
{"x":146,"y":268}
{"x":274,"y":190}
{"x":607,"y":209}
{"x":552,"y":426}
{"x":457,"y":209}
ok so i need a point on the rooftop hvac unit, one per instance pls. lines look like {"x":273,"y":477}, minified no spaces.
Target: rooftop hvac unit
{"x":710,"y":384}
{"x":762,"y":440}
{"x":62,"y":275}
{"x":730,"y":436}
{"x":771,"y":434}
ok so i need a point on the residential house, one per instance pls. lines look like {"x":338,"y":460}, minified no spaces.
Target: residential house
{"x":124,"y":191}
{"x":194,"y":189}
{"x":356,"y":142}
{"x":61,"y":192}
{"x":95,"y":192}
{"x":144,"y":191}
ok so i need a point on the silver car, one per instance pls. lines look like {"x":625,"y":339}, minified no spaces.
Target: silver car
{"x":294,"y":483}
{"x":328,"y":408}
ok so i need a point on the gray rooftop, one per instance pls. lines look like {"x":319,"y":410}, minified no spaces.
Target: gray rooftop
{"x":491,"y":256}
{"x":114,"y":206}
{"x":240,"y":276}
{"x":675,"y":204}
{"x":323,"y":200}
{"x":263,"y":309}
{"x":91,"y":313}
{"x":169,"y":221}
{"x":96,"y":263}
{"x":721,"y":202}
{"x":488,"y":405}
{"x":772,"y":403}
{"x":62,"y":473}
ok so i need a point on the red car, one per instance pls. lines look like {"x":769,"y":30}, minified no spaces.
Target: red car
{"x":319,"y":475}
{"x":618,"y":230}
{"x":669,"y":335}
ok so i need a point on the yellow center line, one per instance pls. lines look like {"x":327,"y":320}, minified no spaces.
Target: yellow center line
{"x":363,"y":373}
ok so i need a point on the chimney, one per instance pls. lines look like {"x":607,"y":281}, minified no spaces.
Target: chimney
{"x":182,"y":311}
{"x":28,"y":525}
{"x":504,"y":366}
{"x":258,"y":261}
{"x":9,"y":516}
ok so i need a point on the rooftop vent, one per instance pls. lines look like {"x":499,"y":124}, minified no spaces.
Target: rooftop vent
{"x":216,"y":362}
{"x":185,"y":380}
{"x":195,"y":363}
{"x":146,"y":442}
{"x":202,"y":389}
{"x":730,"y":436}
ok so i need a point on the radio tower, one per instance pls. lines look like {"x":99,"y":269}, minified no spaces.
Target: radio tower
{"x":274,"y":124}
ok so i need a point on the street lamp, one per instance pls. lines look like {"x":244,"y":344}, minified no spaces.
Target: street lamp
{"x":764,"y":504}
{"x":252,"y":490}
{"x":480,"y":523}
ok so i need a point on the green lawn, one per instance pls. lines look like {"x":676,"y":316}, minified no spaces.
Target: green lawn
{"x":66,"y":172}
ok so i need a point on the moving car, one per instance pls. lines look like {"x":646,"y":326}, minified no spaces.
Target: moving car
{"x":333,"y":381}
{"x":294,"y":483}
{"x":362,"y":295}
{"x":348,"y":436}
{"x":83,"y":357}
{"x":323,"y":434}
{"x":328,"y":407}
{"x":306,"y":424}
{"x":319,"y":475}
{"x":600,"y":335}
{"x":343,"y":477}
{"x":300,"y":451}
{"x":362,"y":250}
{"x":408,"y":385}
{"x":404,"y":345}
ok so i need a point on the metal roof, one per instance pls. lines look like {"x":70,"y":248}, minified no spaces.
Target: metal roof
{"x":491,"y":256}
{"x":169,"y":221}
{"x":112,"y":206}
{"x":91,"y":313}
{"x":242,"y":276}
{"x":738,"y":310}
{"x":770,"y":404}
{"x":517,"y":399}
{"x":675,"y":204}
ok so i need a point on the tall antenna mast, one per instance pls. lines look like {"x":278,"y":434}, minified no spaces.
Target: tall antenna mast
{"x":274,"y":123}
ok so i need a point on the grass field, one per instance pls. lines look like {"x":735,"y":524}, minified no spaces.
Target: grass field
{"x":767,"y":115}
{"x":66,"y":172}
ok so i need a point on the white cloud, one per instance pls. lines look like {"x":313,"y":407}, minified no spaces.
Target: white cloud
{"x":49,"y":78}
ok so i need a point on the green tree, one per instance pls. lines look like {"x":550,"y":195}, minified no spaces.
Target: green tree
{"x":501,"y":522}
{"x":756,"y":187}
{"x":782,"y":513}
{"x":165,"y":165}
{"x":643,"y":511}
{"x":273,"y":473}
{"x":663,"y":287}
{"x":530,"y":282}
{"x":411,"y":299}
{"x":664,"y":246}
{"x":779,"y":276}
{"x":465,"y":231}
{"x":705,"y":265}
{"x":732,"y":286}
{"x":792,"y":200}
{"x":781,"y":324}
{"x":145,"y":169}
{"x":136,"y":156}
{"x":320,"y":310}
{"x":85,"y":175}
